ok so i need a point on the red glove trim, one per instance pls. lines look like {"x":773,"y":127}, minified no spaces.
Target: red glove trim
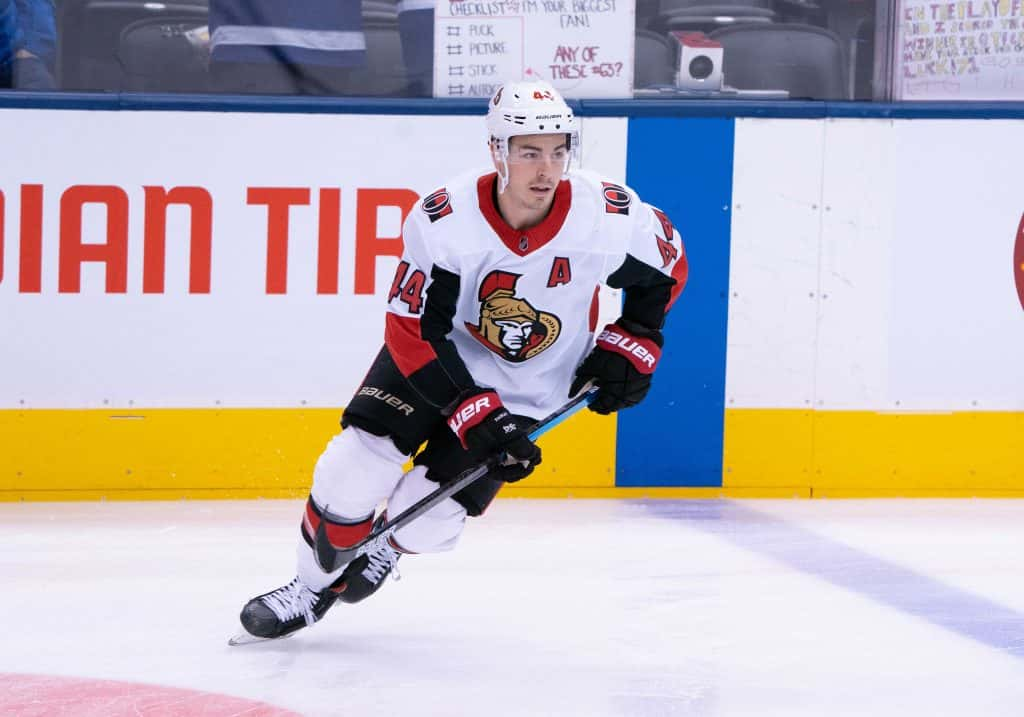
{"x":471,"y":412}
{"x":642,"y":353}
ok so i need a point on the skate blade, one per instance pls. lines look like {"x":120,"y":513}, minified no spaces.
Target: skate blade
{"x":244,"y":638}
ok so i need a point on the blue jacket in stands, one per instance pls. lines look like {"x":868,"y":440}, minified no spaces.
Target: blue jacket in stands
{"x":27,"y":25}
{"x":299,"y":32}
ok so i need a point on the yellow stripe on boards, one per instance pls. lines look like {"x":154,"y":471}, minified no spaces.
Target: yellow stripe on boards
{"x":767,"y":449}
{"x":867,"y":453}
{"x":659,"y":492}
{"x":250,"y":453}
{"x":225,"y":453}
{"x":179,"y":450}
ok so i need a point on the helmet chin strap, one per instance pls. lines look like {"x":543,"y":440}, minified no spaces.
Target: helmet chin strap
{"x":503,"y":176}
{"x":502,"y":151}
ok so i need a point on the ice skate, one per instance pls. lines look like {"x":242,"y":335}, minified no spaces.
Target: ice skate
{"x":281,"y":612}
{"x":364,"y":575}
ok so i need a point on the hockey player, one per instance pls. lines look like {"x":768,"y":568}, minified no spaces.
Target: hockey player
{"x":489,"y":326}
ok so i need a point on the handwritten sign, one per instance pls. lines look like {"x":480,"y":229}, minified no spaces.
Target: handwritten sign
{"x":966,"y":49}
{"x":582,"y":47}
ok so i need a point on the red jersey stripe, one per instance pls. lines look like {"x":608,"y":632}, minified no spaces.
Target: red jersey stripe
{"x":680,"y":272}
{"x":407,"y":347}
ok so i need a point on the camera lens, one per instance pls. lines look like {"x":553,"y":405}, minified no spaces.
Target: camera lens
{"x":701,"y":67}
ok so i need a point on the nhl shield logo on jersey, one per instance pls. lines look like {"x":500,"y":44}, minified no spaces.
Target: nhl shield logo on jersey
{"x":437,"y":205}
{"x":509,"y":325}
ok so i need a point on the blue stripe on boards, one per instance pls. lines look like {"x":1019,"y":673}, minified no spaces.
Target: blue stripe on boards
{"x":684,"y":167}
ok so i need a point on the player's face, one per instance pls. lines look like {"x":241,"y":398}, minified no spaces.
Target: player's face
{"x":535,"y":166}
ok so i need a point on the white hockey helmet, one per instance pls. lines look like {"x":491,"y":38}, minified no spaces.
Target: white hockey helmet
{"x":525,"y":108}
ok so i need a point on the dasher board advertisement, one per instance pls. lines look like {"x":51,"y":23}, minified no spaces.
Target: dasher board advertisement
{"x":193,"y":259}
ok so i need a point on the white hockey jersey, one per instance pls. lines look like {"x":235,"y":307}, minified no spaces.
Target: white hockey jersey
{"x":475,"y":302}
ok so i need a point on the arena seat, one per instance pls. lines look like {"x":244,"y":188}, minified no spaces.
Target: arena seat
{"x":805,"y":60}
{"x":89,"y":37}
{"x":157,"y":55}
{"x":655,"y":60}
{"x":709,"y":16}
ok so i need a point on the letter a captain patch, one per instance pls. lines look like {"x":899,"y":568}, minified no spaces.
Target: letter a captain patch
{"x":561,"y":272}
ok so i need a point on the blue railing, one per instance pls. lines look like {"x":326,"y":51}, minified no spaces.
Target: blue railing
{"x":111,"y":101}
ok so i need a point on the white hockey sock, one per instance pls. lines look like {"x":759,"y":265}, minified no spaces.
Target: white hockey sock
{"x":435,"y":531}
{"x":353,"y":475}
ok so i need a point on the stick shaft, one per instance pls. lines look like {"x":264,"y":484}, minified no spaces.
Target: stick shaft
{"x":331,"y":557}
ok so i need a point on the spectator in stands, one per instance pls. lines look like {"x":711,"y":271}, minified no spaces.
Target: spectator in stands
{"x":416,"y":24}
{"x":28,"y":40}
{"x":294,"y":47}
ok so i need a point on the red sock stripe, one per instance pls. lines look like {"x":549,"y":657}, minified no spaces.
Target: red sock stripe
{"x":344,"y":535}
{"x":310,"y":519}
{"x":340,"y":534}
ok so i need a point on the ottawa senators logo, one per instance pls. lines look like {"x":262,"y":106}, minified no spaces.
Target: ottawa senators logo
{"x":437,"y":205}
{"x":616,"y":198}
{"x":510,"y":326}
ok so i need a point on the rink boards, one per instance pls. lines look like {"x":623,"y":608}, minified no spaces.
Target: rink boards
{"x":188,"y":298}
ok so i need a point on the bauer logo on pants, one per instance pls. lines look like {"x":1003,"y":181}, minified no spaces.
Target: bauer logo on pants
{"x":388,"y":398}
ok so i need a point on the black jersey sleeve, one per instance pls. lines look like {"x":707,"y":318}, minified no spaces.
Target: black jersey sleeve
{"x":421,"y":306}
{"x":654,"y":271}
{"x":647,"y":292}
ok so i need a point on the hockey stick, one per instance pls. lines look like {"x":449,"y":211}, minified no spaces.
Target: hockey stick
{"x":331,"y":557}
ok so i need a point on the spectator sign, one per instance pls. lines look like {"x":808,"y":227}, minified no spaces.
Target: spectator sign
{"x":962,"y":50}
{"x":583,"y":47}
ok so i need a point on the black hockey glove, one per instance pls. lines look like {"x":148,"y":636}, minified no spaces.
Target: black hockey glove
{"x":486,"y":428}
{"x":621,"y":364}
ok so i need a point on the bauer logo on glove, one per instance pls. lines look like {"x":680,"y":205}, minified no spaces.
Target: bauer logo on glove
{"x":621,"y":365}
{"x":645,"y":352}
{"x":471,"y":412}
{"x":486,"y":429}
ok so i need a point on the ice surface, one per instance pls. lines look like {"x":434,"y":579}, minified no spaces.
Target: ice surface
{"x":632,"y":608}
